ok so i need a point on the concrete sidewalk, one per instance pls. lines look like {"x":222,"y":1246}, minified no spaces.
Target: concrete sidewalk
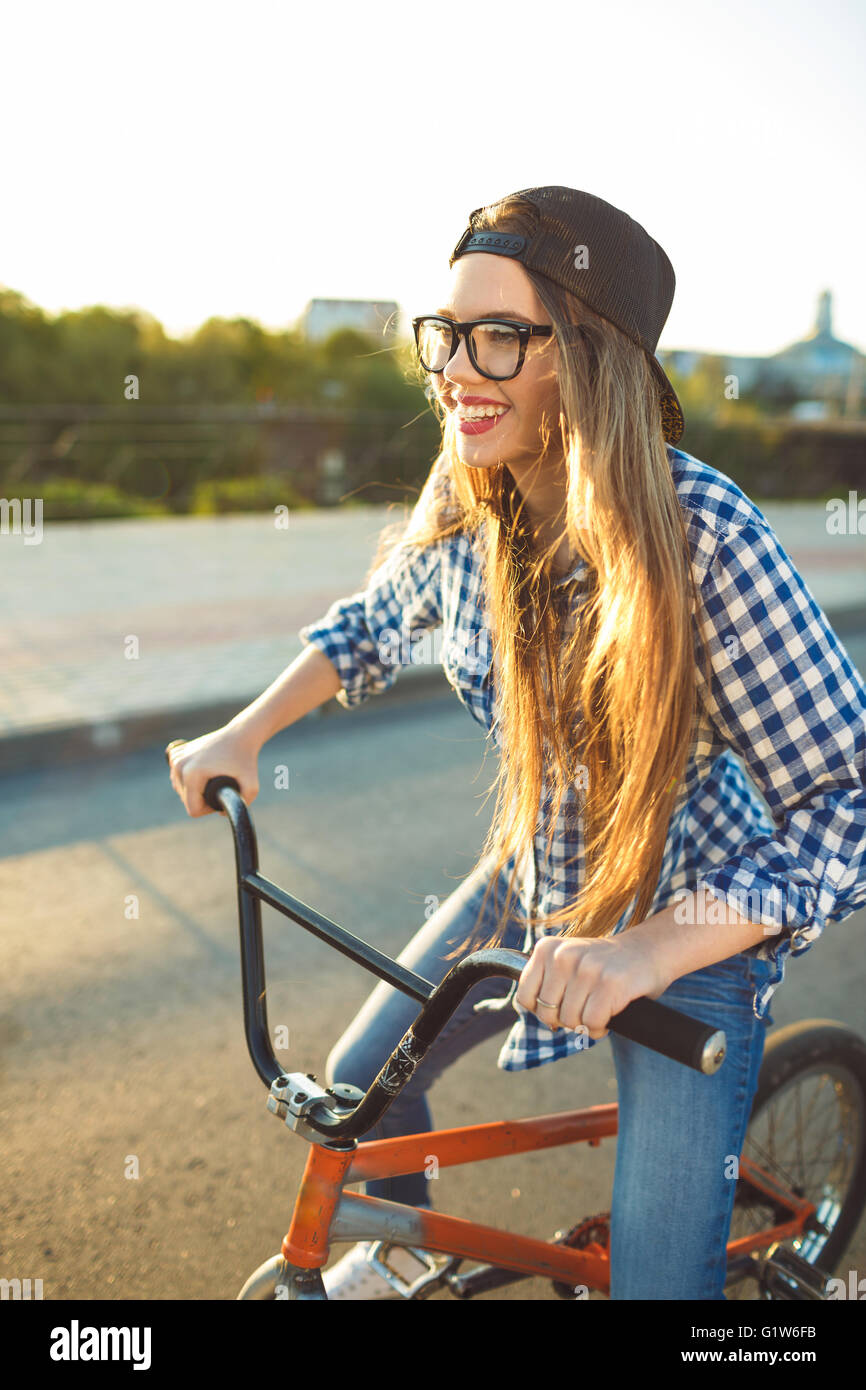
{"x":215,"y":605}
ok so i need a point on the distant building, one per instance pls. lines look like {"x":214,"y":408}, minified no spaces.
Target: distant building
{"x":820,"y":369}
{"x":375,"y":317}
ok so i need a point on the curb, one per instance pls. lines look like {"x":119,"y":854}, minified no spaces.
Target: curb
{"x":848,"y":621}
{"x":56,"y":745}
{"x":37,"y":749}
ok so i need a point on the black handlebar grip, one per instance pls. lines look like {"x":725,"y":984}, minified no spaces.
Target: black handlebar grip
{"x":214,"y":785}
{"x":674,"y":1034}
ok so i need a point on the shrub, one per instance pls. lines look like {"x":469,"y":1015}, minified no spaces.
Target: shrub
{"x":67,"y":499}
{"x":259,"y":494}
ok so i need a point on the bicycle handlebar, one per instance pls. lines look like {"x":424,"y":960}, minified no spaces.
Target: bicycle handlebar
{"x":645,"y":1021}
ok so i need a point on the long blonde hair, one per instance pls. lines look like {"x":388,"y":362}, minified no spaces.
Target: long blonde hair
{"x":609,"y":706}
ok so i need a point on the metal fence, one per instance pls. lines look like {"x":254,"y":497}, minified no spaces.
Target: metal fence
{"x":165,"y":452}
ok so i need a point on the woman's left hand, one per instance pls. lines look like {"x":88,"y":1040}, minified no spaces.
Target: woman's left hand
{"x":572,"y":983}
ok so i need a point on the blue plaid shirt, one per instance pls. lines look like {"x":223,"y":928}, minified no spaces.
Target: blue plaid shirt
{"x":785,"y":702}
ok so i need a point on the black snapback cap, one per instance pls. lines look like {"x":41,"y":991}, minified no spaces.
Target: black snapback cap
{"x":604,"y":258}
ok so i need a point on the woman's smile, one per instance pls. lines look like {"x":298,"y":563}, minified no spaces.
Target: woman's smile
{"x":478,"y":414}
{"x":477,"y":426}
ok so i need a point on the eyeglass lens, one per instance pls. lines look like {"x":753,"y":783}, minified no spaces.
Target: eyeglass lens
{"x":495,"y":347}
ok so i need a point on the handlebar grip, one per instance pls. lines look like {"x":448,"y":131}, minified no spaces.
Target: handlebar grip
{"x":658,"y":1026}
{"x":672,"y":1033}
{"x":690,"y":1041}
{"x":212,"y":786}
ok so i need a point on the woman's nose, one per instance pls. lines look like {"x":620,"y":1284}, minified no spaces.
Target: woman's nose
{"x":459,"y":368}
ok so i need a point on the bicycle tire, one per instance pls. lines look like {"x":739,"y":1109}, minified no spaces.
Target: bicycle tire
{"x":818,"y":1048}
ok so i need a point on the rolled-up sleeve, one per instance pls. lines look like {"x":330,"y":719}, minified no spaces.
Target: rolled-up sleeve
{"x":369,"y":635}
{"x":787,"y":699}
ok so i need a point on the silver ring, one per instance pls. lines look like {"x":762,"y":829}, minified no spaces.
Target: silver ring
{"x":539,"y":1000}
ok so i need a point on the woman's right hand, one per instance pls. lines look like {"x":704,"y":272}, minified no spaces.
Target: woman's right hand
{"x":226,"y":752}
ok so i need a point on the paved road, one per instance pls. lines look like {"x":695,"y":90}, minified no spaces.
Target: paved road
{"x":122,"y":1038}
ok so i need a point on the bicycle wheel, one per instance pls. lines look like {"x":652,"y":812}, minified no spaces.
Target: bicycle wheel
{"x":807,"y":1129}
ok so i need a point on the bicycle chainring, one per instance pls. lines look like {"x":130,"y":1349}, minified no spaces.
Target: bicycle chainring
{"x":592,"y":1231}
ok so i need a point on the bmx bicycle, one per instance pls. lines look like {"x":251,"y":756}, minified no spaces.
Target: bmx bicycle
{"x":801,"y":1185}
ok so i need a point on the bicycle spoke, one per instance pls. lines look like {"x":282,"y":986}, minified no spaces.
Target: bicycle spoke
{"x":806,"y":1138}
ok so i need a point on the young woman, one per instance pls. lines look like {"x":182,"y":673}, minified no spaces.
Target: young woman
{"x":624,"y":623}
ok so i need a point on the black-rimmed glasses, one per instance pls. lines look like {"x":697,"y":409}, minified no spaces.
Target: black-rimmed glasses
{"x":496,"y":347}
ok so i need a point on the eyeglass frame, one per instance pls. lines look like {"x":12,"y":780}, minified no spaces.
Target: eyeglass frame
{"x":525,"y":331}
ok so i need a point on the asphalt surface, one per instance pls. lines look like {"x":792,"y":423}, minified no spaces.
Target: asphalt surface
{"x":121,"y":1040}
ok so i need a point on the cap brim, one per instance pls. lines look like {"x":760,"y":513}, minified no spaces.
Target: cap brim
{"x":673,"y":419}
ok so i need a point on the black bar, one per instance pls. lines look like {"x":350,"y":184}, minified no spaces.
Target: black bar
{"x":361,"y":952}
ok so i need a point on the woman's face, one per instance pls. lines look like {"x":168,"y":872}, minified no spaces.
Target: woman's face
{"x":488,"y":286}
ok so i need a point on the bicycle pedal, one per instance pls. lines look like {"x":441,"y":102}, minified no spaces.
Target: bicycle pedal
{"x":434,"y":1268}
{"x":785,"y":1275}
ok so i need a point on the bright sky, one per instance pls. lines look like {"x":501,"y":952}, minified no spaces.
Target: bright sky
{"x":211,"y":158}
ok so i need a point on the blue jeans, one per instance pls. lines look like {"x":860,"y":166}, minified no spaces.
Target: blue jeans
{"x":679,"y":1132}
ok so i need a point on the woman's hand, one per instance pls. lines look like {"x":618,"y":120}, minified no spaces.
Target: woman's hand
{"x":229,"y":752}
{"x":572,"y":983}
